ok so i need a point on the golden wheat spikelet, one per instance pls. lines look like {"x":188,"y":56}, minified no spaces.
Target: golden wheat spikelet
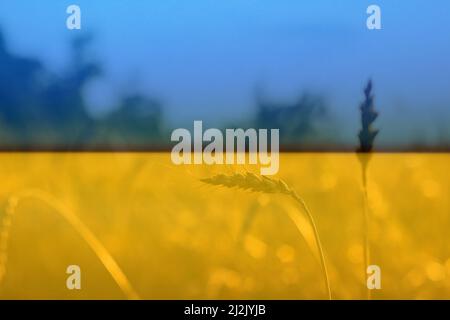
{"x":250,"y":181}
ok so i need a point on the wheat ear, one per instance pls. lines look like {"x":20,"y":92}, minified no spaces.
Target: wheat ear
{"x":255,"y":183}
{"x":100,"y":251}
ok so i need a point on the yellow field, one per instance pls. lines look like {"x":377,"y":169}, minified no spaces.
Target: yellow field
{"x":141,"y":227}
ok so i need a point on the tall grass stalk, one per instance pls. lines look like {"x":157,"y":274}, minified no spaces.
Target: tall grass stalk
{"x":100,"y":251}
{"x":255,"y":183}
{"x":366,"y":137}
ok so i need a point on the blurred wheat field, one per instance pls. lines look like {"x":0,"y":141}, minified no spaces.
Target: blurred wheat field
{"x":174,"y":237}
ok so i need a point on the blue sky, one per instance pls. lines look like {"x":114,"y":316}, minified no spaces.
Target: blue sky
{"x":204,"y":58}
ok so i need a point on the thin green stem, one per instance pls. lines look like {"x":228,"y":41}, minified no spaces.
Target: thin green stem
{"x":319,"y":245}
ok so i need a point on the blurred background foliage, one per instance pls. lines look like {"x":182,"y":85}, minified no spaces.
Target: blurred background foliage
{"x":155,"y":66}
{"x":40,"y":109}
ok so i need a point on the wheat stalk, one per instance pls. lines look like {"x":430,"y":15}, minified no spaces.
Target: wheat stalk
{"x":264,"y":184}
{"x":100,"y":251}
{"x":366,"y":137}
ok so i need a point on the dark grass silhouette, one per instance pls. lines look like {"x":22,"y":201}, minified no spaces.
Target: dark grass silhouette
{"x":367,"y":136}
